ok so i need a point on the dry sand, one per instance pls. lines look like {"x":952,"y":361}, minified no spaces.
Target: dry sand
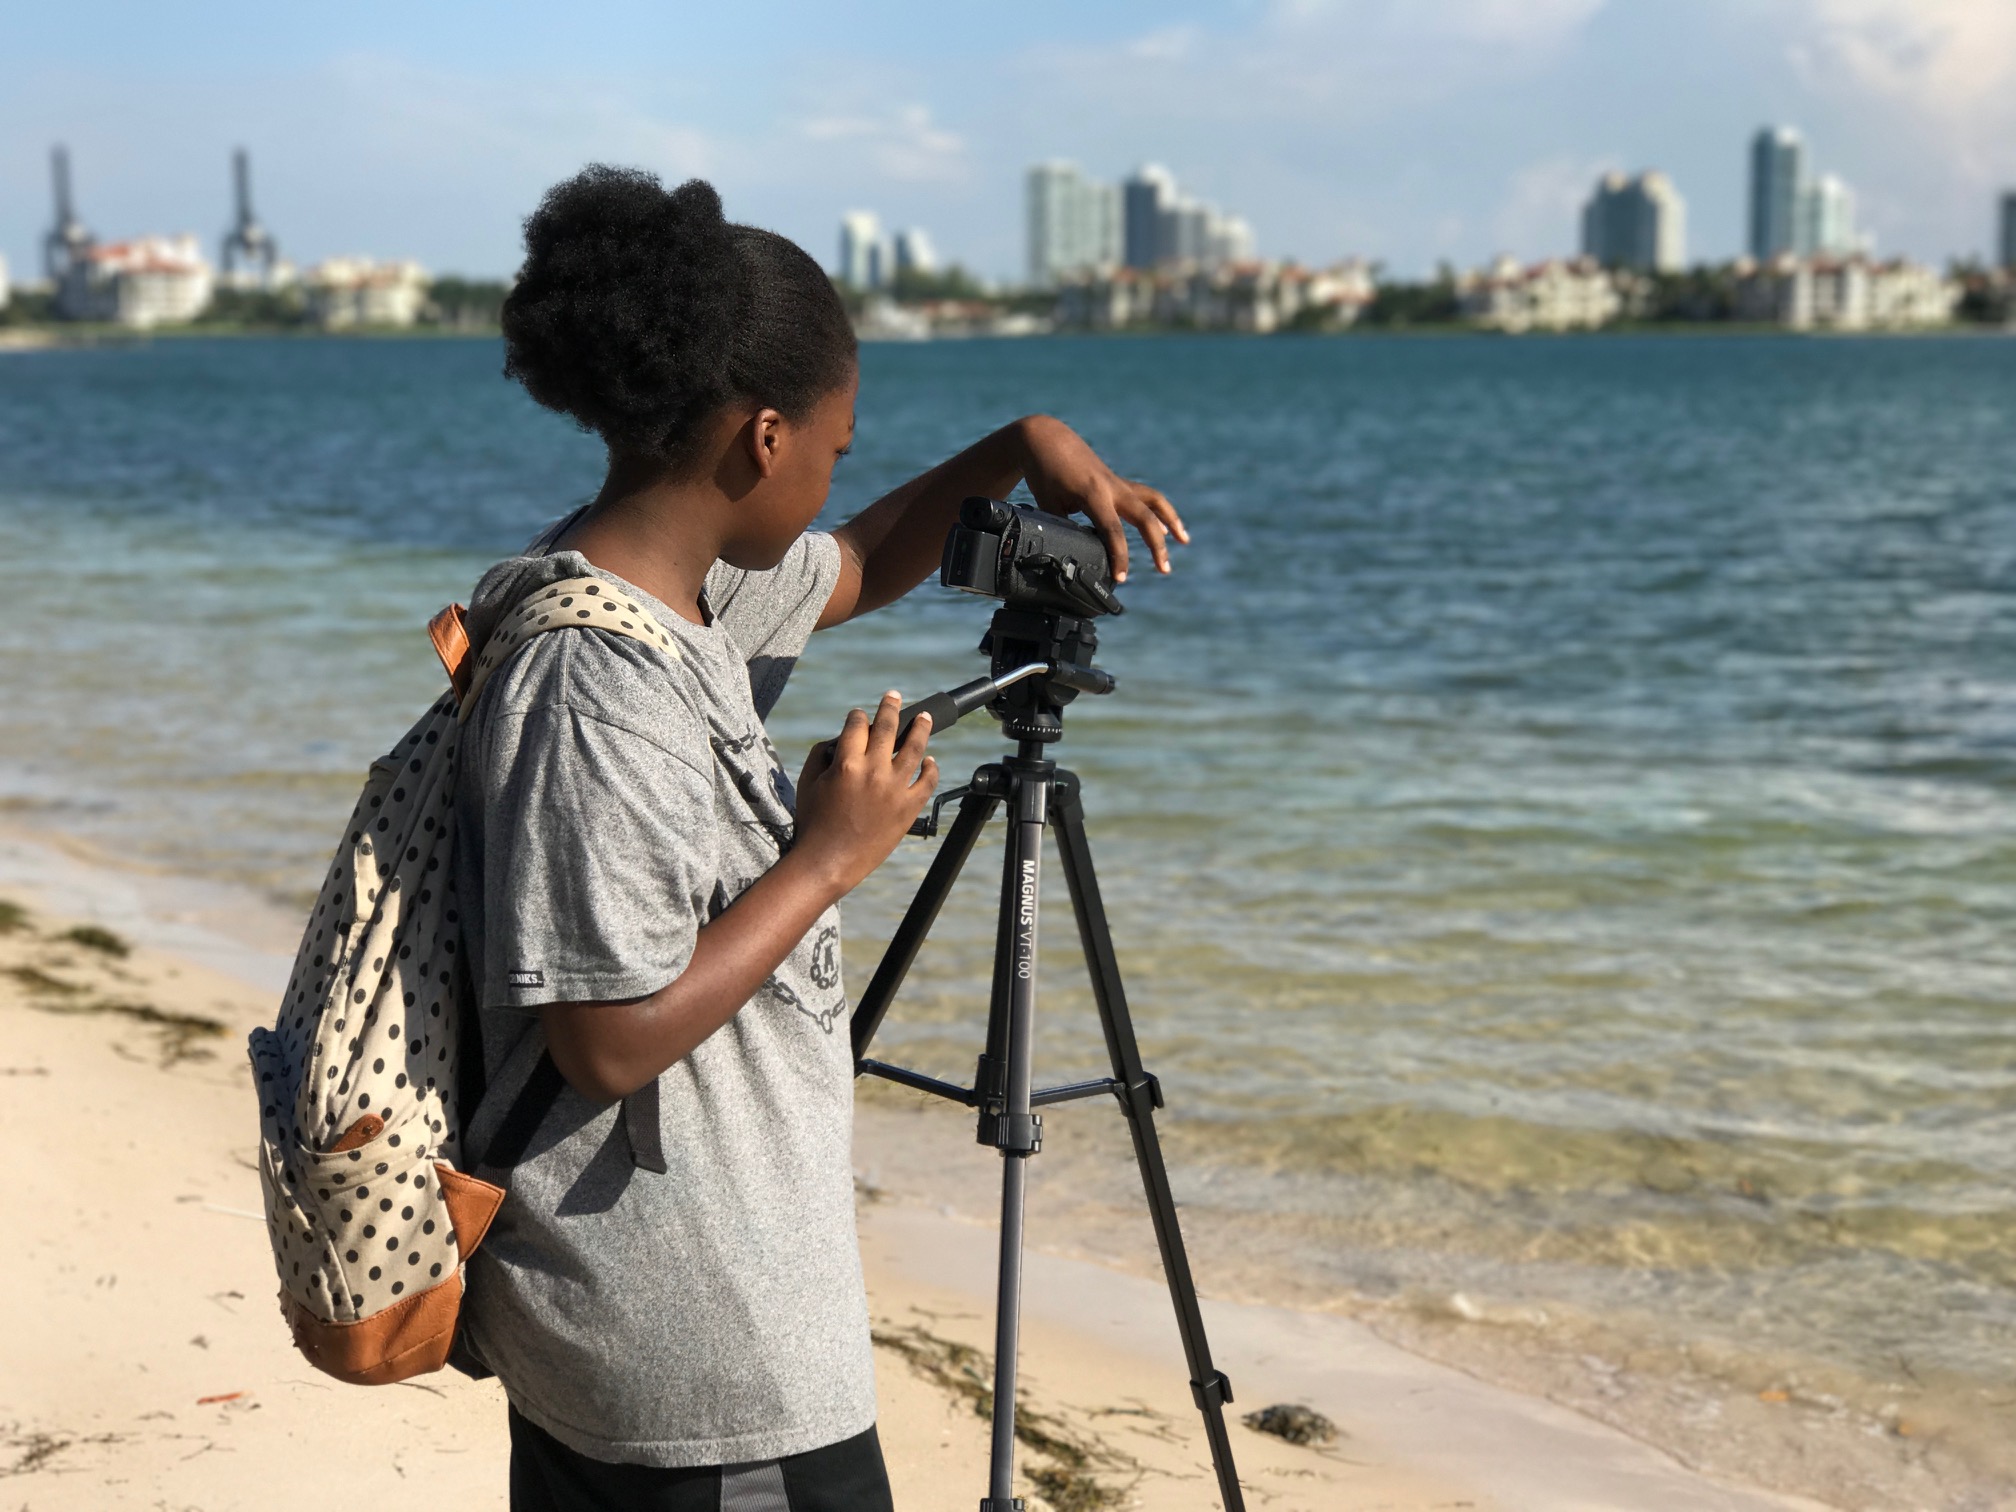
{"x":143,"y":1363}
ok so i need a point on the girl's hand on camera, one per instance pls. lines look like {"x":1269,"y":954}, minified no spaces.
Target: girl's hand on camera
{"x":1068,"y":477}
{"x":859,"y":793}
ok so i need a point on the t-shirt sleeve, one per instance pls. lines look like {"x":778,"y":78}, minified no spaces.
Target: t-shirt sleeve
{"x":599,"y":853}
{"x":770,"y":615}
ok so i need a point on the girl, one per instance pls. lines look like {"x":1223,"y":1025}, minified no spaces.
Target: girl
{"x":672,"y":1296}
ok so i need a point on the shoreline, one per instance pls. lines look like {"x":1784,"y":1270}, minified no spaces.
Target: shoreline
{"x":102,"y":1339}
{"x":58,"y":338}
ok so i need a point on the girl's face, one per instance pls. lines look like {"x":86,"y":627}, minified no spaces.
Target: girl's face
{"x":792,"y":488}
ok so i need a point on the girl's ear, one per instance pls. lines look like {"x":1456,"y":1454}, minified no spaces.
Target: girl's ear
{"x":765,"y":431}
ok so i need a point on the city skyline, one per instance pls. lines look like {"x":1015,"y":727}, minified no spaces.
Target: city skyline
{"x":1410,"y":133}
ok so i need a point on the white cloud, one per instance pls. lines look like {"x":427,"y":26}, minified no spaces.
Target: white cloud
{"x":1537,"y":25}
{"x":1543,"y":198}
{"x":1168,"y":45}
{"x":903,"y":144}
{"x":1922,"y":100}
{"x":546,"y":126}
{"x":1944,"y":57}
{"x":1314,"y":62}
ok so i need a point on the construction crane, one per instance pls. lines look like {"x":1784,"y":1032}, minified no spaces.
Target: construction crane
{"x":68,"y":240}
{"x":251,"y":255}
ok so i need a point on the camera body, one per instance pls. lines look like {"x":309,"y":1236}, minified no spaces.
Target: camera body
{"x":1053,"y":579}
{"x":1029,"y":560}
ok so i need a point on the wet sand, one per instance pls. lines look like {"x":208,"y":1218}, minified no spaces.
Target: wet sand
{"x":146,"y":1365}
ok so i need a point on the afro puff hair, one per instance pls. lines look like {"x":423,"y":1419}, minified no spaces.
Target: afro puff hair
{"x":641,"y":311}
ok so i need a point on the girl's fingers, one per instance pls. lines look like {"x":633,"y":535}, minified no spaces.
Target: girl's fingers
{"x":1156,"y":538}
{"x":914,"y":740}
{"x":1166,"y":513}
{"x":853,"y":736}
{"x":1105,"y":519}
{"x":882,"y":733}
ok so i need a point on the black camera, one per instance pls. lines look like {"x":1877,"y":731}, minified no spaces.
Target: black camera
{"x":1028,"y":559}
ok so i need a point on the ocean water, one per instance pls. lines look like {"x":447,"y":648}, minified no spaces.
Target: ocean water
{"x":1559,"y":819}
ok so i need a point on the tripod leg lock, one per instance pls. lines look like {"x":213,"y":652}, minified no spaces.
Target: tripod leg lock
{"x":1213,"y":1392}
{"x":1012,"y":1135}
{"x":1150,"y":1084}
{"x":1000,"y":1504}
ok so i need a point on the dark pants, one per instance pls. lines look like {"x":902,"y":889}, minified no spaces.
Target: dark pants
{"x":547,"y":1476}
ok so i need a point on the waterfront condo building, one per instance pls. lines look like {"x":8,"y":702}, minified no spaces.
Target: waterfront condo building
{"x":1827,"y":219}
{"x":914,"y":252}
{"x":865,"y":261}
{"x":1161,"y":227}
{"x":347,"y":292}
{"x":1147,"y":198}
{"x":1853,"y":293}
{"x":1638,"y":223}
{"x":1557,"y":295}
{"x":1777,"y":182}
{"x":1792,"y":212}
{"x":1251,"y":296}
{"x":1073,"y":224}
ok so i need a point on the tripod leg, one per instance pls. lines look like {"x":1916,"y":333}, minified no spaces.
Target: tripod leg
{"x":1009,"y":1124}
{"x":1140,"y":1095}
{"x":975,"y":809}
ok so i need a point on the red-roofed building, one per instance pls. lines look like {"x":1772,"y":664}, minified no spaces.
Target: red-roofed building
{"x":355,"y":291}
{"x":1853,"y":293}
{"x":149,"y":281}
{"x":1561,"y":294}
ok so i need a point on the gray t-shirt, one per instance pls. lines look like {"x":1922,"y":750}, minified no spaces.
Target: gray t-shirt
{"x":612,"y":800}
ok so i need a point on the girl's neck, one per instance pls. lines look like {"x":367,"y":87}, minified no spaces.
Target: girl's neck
{"x":661,"y":534}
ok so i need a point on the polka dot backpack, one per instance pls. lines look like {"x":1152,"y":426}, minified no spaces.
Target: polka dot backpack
{"x":369,"y":1202}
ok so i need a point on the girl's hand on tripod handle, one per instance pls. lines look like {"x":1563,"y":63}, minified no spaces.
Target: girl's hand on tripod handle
{"x":859,"y":793}
{"x":1068,"y":477}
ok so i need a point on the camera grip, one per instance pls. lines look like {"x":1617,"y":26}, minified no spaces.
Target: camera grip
{"x":942,"y":707}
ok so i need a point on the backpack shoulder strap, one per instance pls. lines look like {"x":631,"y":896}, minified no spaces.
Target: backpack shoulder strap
{"x":588,"y":603}
{"x":583,"y":603}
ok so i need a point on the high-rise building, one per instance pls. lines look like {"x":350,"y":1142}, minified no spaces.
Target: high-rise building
{"x":1148,"y":197}
{"x":864,"y":251}
{"x":1231,"y":241}
{"x":1073,"y":223}
{"x":914,"y":252}
{"x":1777,"y":183}
{"x":2009,"y":229}
{"x":1636,"y":223}
{"x":1827,"y":219}
{"x":1186,"y":232}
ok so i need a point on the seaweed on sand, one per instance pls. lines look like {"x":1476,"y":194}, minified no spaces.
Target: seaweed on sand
{"x":93,"y":937}
{"x":179,"y":1032}
{"x":1070,"y":1480}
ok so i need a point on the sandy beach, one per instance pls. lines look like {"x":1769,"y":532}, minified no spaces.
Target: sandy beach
{"x":146,"y":1365}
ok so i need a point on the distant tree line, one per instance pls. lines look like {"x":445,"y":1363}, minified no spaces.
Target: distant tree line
{"x":452,"y":304}
{"x":1702,"y":295}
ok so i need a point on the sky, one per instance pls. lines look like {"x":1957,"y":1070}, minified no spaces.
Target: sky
{"x":1407,"y":131}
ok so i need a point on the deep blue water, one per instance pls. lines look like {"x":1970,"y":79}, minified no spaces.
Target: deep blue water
{"x":1560,"y":816}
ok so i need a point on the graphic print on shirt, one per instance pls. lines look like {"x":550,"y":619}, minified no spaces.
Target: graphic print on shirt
{"x":824,"y":967}
{"x":823,"y":1017}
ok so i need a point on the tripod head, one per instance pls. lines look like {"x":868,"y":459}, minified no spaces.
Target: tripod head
{"x":1032,"y":708}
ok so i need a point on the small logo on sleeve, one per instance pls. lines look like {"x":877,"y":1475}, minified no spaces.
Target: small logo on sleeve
{"x":526,"y":978}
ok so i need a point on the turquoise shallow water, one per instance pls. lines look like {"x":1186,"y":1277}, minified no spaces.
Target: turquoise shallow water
{"x":1560,"y":819}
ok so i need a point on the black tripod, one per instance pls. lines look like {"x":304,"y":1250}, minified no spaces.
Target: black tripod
{"x":1041,"y":661}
